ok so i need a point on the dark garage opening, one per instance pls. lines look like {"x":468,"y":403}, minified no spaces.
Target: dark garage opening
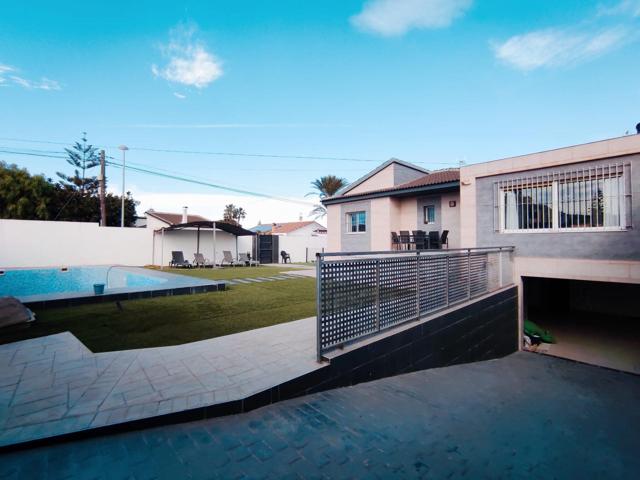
{"x":592,"y":322}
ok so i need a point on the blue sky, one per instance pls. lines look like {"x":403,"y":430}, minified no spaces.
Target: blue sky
{"x":428,"y":81}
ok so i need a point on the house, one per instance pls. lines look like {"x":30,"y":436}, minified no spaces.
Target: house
{"x":291,"y":228}
{"x":302,"y":240}
{"x":572,"y":215}
{"x":158,"y":220}
{"x":394,"y":197}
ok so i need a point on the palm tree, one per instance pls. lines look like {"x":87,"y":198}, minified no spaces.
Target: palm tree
{"x":325,"y":187}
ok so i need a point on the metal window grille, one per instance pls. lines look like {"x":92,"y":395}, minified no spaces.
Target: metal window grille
{"x":594,"y":197}
{"x":360,"y":294}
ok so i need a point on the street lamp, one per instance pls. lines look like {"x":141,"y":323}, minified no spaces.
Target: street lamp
{"x":124,"y":148}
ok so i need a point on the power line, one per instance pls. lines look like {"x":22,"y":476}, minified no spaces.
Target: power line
{"x":210,"y":184}
{"x":232,"y":154}
{"x":44,"y":153}
{"x":31,"y":154}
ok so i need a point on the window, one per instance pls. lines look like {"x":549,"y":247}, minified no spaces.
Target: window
{"x":593,"y":198}
{"x":430,"y":214}
{"x":527,"y":207}
{"x":357,"y":222}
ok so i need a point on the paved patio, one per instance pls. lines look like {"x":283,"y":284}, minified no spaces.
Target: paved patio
{"x":522,"y":416}
{"x":54,"y":385}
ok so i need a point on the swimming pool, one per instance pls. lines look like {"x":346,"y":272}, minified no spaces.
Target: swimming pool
{"x":44,"y":285}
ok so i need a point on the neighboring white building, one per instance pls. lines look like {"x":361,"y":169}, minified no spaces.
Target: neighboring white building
{"x":300,"y":228}
{"x":301,"y":240}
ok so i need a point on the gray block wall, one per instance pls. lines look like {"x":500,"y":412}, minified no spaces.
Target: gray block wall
{"x":600,"y":245}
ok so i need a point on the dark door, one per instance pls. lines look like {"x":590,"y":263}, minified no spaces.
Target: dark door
{"x":268,"y":249}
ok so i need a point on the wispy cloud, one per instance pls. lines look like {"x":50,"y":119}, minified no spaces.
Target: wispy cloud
{"x":557,"y":47}
{"x":9,"y":76}
{"x":608,"y":27}
{"x":625,"y":7}
{"x":179,"y":95}
{"x":189,"y":62}
{"x":397,"y":17}
{"x":236,"y":125}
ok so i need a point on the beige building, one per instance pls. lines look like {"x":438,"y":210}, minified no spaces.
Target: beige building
{"x":570,"y":213}
{"x":397,"y":196}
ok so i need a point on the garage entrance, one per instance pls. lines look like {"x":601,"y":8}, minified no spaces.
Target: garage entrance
{"x":592,"y":322}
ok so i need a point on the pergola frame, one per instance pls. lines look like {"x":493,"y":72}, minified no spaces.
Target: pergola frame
{"x":214,"y":226}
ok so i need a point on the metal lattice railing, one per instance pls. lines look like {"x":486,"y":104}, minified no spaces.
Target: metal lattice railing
{"x":360,"y":294}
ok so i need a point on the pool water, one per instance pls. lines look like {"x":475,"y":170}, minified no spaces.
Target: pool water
{"x":23,"y":283}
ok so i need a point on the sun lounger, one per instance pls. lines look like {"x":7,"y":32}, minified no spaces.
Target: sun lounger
{"x":177,"y":260}
{"x":200,"y":261}
{"x":246,"y":259}
{"x":227,"y":259}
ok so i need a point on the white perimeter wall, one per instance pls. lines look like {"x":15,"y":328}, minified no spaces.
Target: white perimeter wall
{"x":297,"y":245}
{"x":33,"y":243}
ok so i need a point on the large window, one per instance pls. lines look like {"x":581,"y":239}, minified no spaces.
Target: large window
{"x":356,"y":222}
{"x":592,"y":198}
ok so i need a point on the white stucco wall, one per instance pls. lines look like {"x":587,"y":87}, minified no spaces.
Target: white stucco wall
{"x":32,"y":243}
{"x":302,"y":248}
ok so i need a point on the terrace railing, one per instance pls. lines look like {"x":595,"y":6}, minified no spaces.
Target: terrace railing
{"x":362,"y":293}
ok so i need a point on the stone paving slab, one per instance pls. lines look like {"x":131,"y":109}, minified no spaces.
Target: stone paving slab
{"x":54,"y":385}
{"x":523,"y":416}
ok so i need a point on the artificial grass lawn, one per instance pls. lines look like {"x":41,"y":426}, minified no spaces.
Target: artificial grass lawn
{"x":228,"y":273}
{"x":178,"y":319}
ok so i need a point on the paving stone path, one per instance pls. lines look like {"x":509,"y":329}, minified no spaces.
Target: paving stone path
{"x":284,"y":276}
{"x":54,"y":385}
{"x":523,"y":416}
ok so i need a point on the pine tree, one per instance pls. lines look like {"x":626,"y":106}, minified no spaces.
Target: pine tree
{"x":83,"y":157}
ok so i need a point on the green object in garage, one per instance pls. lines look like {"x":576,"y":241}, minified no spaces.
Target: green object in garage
{"x":534,"y":330}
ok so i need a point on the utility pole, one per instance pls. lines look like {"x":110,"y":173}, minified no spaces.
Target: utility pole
{"x":103,"y":181}
{"x":124,"y":148}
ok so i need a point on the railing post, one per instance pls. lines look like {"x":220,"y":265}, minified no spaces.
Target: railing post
{"x":377,"y":295}
{"x":418,"y":285}
{"x":500,"y":281}
{"x":319,"y":306}
{"x":469,"y":274}
{"x":446,"y":281}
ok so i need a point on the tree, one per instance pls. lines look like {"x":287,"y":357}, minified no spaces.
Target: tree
{"x":82,"y":157}
{"x":233,"y":214}
{"x":33,"y":197}
{"x":22,"y":195}
{"x":325,"y":187}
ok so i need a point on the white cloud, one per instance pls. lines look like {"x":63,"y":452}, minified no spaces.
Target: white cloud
{"x":8,"y":76}
{"x":397,"y":17}
{"x":189,"y":61}
{"x":625,"y":7}
{"x":557,"y":47}
{"x":179,"y":95}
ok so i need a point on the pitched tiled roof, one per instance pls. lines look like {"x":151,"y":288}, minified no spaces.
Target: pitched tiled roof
{"x":433,"y":178}
{"x":175,"y":218}
{"x":289,"y":227}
